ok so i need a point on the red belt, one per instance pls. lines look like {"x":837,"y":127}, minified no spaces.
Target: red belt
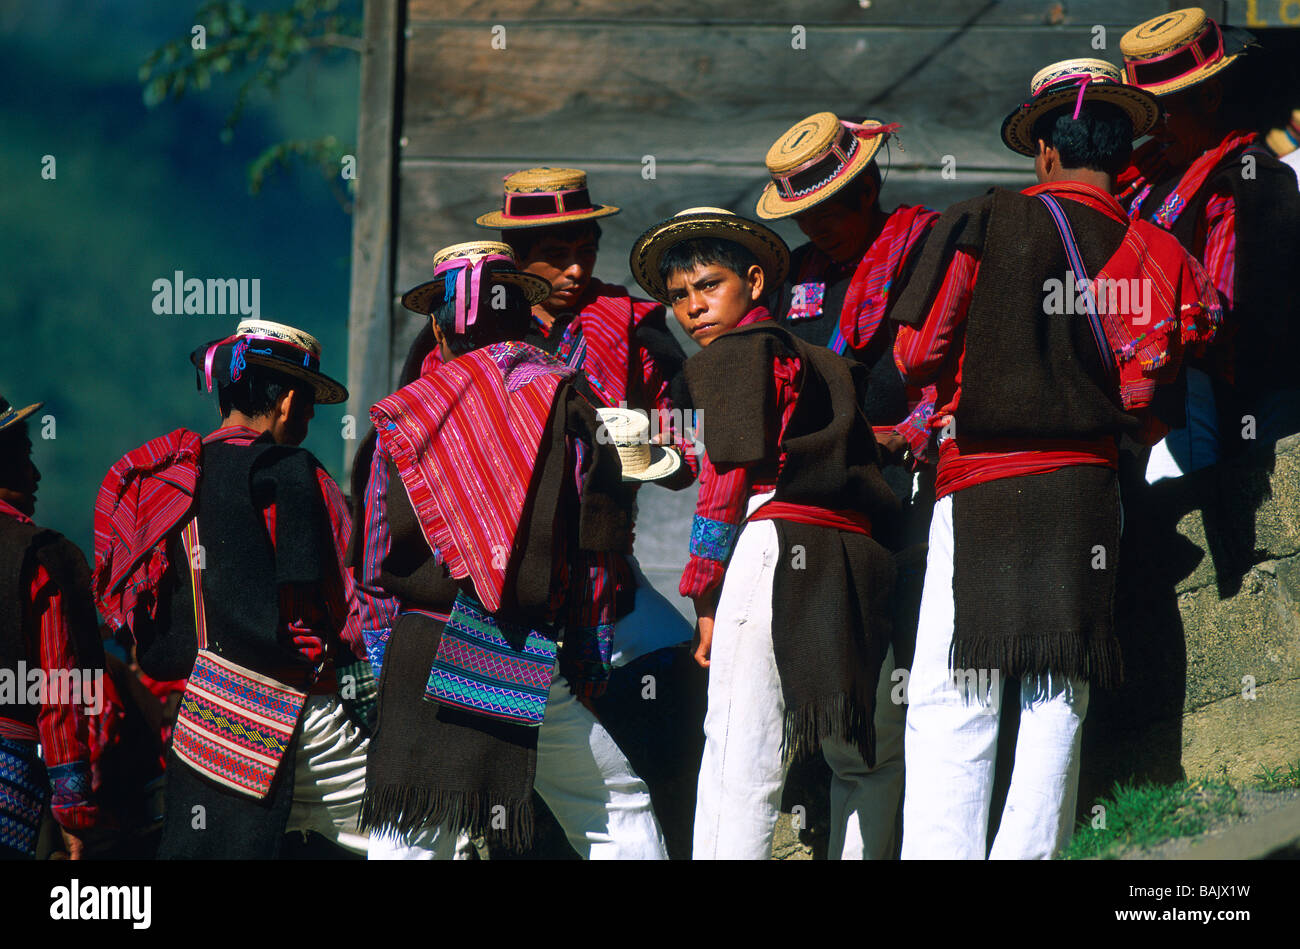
{"x":855,"y":522}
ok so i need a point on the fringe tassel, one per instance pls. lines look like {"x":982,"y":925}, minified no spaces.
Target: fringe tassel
{"x":1101,"y":663}
{"x":404,"y":810}
{"x":832,"y":716}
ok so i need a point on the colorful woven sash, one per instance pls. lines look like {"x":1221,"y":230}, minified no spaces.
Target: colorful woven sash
{"x":234,"y":725}
{"x":491,"y":666}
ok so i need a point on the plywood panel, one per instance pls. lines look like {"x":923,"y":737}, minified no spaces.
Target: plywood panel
{"x":612,"y":93}
{"x":850,"y":13}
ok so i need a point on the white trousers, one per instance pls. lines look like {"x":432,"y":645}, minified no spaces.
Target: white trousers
{"x":329,"y":774}
{"x":597,"y":799}
{"x":952,"y":735}
{"x":653,"y":624}
{"x":741,"y":773}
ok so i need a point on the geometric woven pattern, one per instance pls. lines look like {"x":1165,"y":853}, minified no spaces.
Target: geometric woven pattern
{"x":22,"y":795}
{"x":492,"y":667}
{"x":234,"y":726}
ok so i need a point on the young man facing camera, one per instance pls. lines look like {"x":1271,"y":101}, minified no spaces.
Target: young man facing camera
{"x":789,"y":587}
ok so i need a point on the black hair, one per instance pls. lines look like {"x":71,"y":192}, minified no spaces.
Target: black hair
{"x":705,"y":251}
{"x":1101,"y":139}
{"x":492,"y":325}
{"x":15,"y":449}
{"x":522,"y":240}
{"x":866,"y":182}
{"x":257,"y":391}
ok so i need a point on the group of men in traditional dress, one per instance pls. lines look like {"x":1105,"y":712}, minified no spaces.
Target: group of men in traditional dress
{"x":401,"y":675}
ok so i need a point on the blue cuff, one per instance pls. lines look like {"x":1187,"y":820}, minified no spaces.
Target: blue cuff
{"x":376,"y":644}
{"x":711,"y":539}
{"x":70,"y":784}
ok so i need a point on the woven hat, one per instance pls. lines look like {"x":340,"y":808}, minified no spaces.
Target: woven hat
{"x":815,"y":158}
{"x":764,"y":243}
{"x":629,"y":432}
{"x":287,"y":350}
{"x":1179,"y":49}
{"x":467,"y":264}
{"x":1075,"y":81}
{"x":10,"y":416}
{"x":1286,"y":139}
{"x":540,"y":197}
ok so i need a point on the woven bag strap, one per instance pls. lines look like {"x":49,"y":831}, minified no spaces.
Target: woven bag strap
{"x":190,"y":544}
{"x":1082,"y":282}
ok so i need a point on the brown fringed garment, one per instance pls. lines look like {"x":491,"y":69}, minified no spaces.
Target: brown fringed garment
{"x":830,"y":613}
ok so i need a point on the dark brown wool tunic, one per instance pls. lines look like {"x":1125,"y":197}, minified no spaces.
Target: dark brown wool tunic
{"x":1035,"y":556}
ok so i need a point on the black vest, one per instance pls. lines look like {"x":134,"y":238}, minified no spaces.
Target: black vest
{"x":1026,"y":374}
{"x":242,"y":571}
{"x":1265,"y":313}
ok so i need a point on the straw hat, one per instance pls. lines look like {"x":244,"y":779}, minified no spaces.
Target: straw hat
{"x":426,"y":297}
{"x":10,"y":416}
{"x":1286,"y":139}
{"x":286,"y":349}
{"x":629,"y":432}
{"x":540,"y":197}
{"x":764,"y":243}
{"x":815,"y":158}
{"x":1179,"y":49}
{"x":1072,"y":82}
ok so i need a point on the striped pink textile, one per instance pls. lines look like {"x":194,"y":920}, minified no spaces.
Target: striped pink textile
{"x":465,"y":442}
{"x":143,"y":496}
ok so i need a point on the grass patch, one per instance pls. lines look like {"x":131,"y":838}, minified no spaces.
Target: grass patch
{"x":1145,"y":814}
{"x":1280,"y":778}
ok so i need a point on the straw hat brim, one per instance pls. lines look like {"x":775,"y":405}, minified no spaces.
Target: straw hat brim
{"x":1280,"y":142}
{"x":424,"y":298}
{"x":1140,"y":106}
{"x":327,"y":391}
{"x":498,"y":221}
{"x":14,"y":416}
{"x":663,"y":464}
{"x":772,"y":254}
{"x":771,"y":206}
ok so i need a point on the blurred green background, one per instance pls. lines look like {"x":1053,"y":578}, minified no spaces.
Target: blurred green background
{"x":140,"y":193}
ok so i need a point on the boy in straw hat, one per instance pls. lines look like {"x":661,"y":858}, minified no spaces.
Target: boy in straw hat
{"x":842,"y":282}
{"x":1040,"y":370}
{"x":789,"y":587}
{"x":620,"y":343}
{"x":492,"y":510}
{"x":1206,"y":178}
{"x":825,"y":176}
{"x":236,"y":543}
{"x":47,"y":627}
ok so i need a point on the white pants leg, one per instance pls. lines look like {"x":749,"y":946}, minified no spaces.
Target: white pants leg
{"x":951,"y":744}
{"x":653,"y":624}
{"x":329,"y":773}
{"x":431,"y":843}
{"x":1038,"y":818}
{"x":741,"y":774}
{"x":864,"y":801}
{"x":589,"y":785}
{"x":1194,"y":446}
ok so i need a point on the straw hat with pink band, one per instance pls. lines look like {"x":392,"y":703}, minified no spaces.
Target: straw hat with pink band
{"x":1168,"y":53}
{"x":542,"y":197}
{"x":815,"y":158}
{"x":286,"y":349}
{"x":459,"y":272}
{"x":1071,"y":82}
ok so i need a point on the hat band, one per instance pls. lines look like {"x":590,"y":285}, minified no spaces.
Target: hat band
{"x":540,"y":204}
{"x":820,"y":170}
{"x":1167,"y":67}
{"x":468,"y":283}
{"x":243,"y":346}
{"x":1083,"y":78}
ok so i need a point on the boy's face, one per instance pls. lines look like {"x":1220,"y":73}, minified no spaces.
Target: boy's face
{"x":567,"y":264}
{"x":711,"y":299}
{"x":839,"y":232}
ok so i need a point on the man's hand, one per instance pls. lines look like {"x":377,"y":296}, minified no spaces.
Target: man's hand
{"x":892,"y":446}
{"x":705,"y":645}
{"x":72,"y":844}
